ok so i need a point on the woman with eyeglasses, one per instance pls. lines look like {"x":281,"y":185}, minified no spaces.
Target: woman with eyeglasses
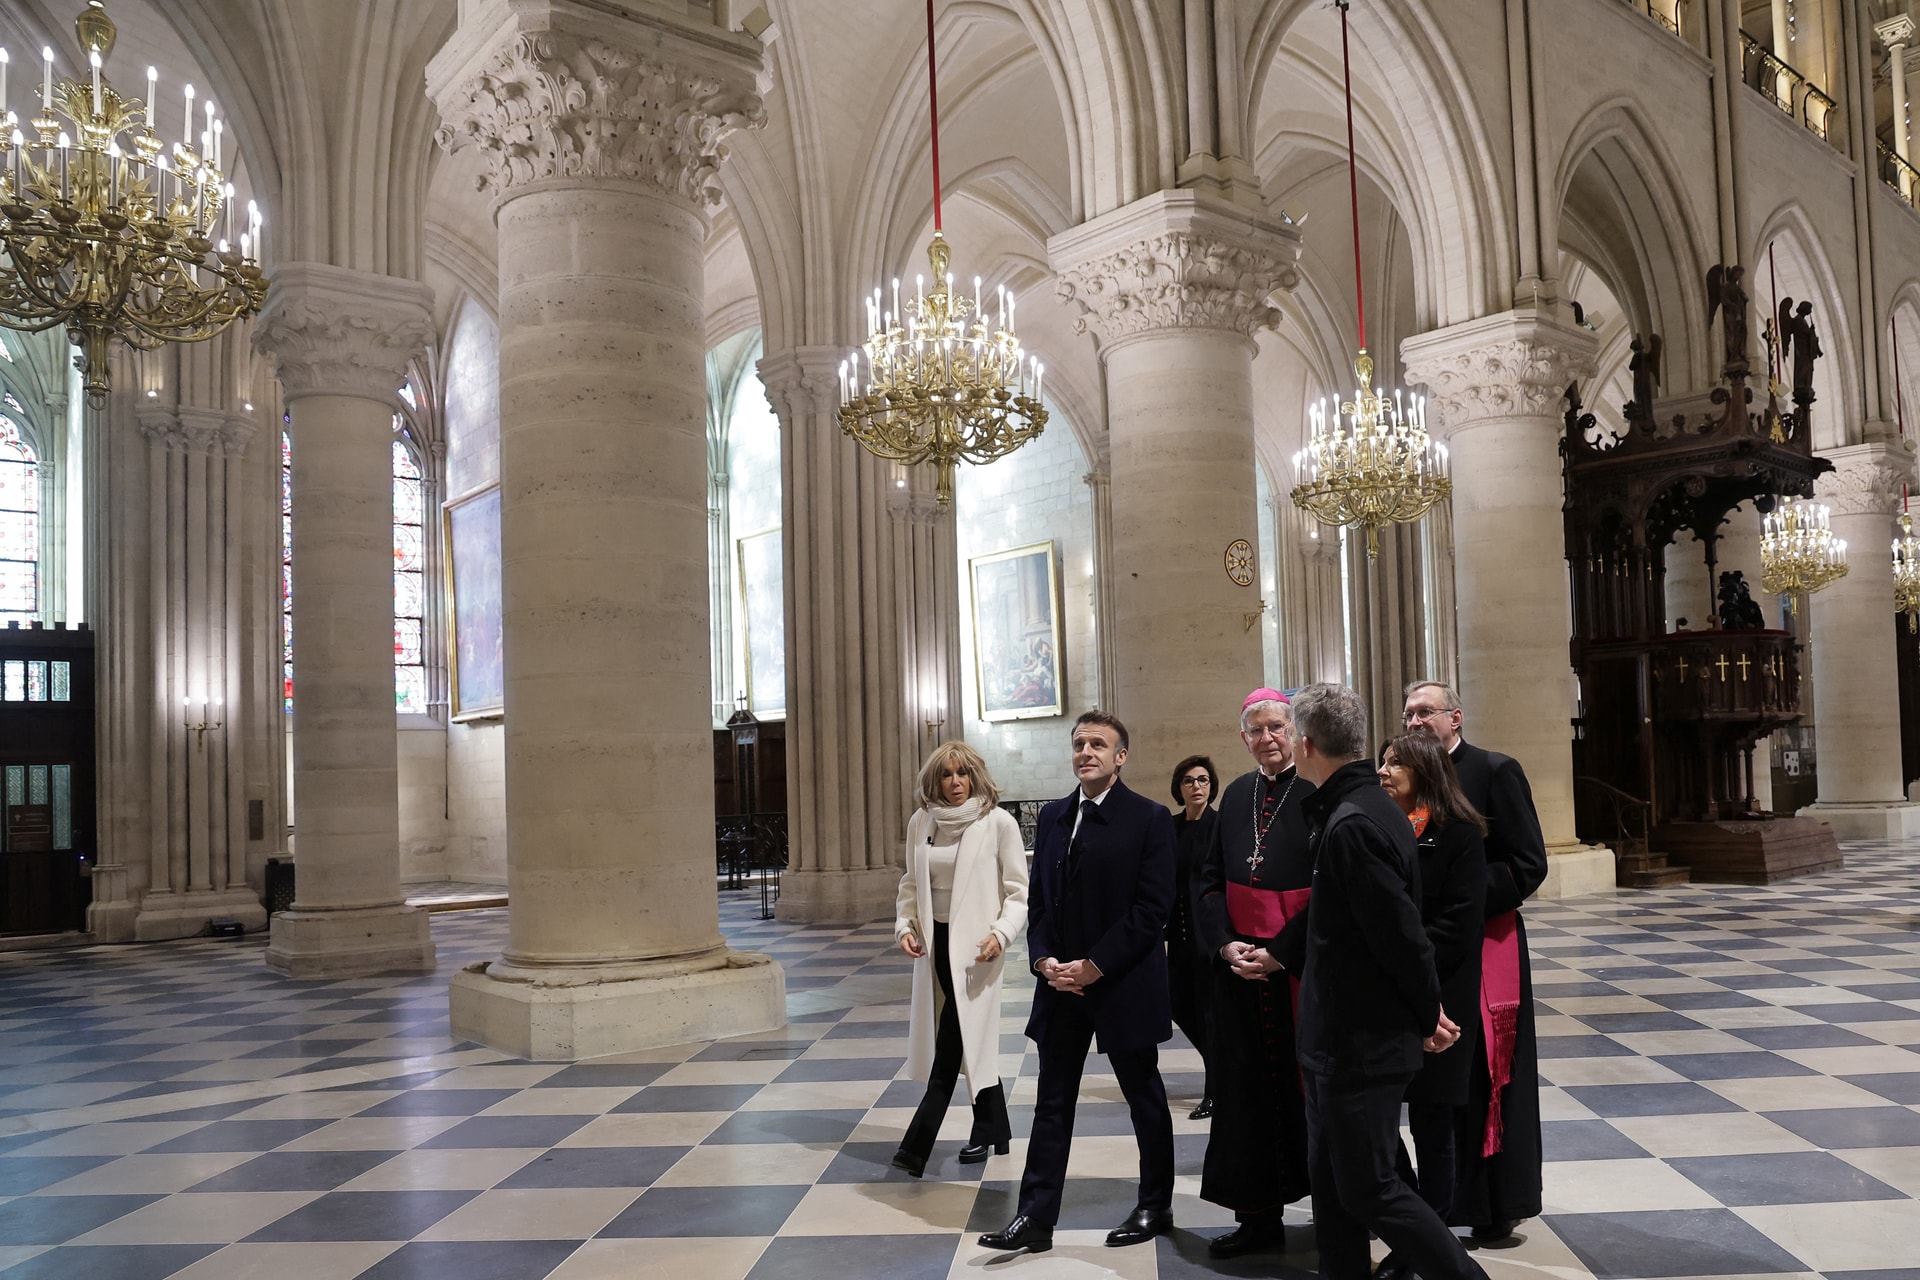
{"x":1418,"y":774}
{"x":962,"y":901}
{"x":1194,"y":786}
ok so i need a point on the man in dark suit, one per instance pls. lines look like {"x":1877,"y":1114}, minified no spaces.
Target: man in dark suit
{"x":1499,"y":1188}
{"x":1369,"y":1001}
{"x":1098,"y":899}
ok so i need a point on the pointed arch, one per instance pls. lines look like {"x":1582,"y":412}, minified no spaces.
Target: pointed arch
{"x":1788,"y":246}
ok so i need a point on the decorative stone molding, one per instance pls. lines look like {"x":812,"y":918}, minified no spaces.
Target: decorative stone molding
{"x":562,"y":91}
{"x":1176,"y":260}
{"x":1514,"y":365}
{"x":915,"y":508}
{"x":1895,"y":32}
{"x":159,"y":426}
{"x":334,"y":332}
{"x":1865,"y":481}
{"x":802,"y":382}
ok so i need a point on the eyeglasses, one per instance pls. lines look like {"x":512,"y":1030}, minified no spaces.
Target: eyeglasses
{"x":1266,"y":731}
{"x":1198,"y":781}
{"x":1421,"y":713}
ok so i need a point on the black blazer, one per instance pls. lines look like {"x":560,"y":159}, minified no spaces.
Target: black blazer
{"x":1368,"y":993}
{"x":1453,"y":891}
{"x":1112,"y":909}
{"x":1516,"y":851}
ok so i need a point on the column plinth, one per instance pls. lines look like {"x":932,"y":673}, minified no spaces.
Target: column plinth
{"x":601,"y":134}
{"x":1176,"y":286}
{"x":341,"y":341}
{"x":1495,"y":389}
{"x":1854,"y":671}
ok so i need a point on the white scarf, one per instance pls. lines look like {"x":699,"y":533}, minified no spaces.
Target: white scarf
{"x":952,"y":822}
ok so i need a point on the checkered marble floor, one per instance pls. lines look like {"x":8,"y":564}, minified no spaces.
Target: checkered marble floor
{"x":1731,"y":1084}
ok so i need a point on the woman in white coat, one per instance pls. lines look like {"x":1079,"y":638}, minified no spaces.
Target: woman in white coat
{"x":962,"y":901}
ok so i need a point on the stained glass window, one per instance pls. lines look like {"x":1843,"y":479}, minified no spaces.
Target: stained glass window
{"x":36,"y":682}
{"x":63,"y":682}
{"x":63,"y":806}
{"x":13,"y":680}
{"x":409,"y":582}
{"x":19,"y":526}
{"x":286,"y":568}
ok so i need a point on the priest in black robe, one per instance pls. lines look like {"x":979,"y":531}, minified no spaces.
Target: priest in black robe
{"x":1249,"y":891}
{"x":1497,"y":1140}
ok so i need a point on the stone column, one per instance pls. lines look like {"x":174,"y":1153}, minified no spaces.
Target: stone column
{"x":928,"y":604}
{"x":1495,"y":388}
{"x":1857,"y":734}
{"x":1175,"y":286}
{"x":1099,"y":482}
{"x":848,"y":712}
{"x":341,"y":341}
{"x":599,"y":133}
{"x":1897,"y":34}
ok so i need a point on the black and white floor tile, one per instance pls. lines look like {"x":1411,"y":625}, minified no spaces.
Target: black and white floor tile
{"x":1731,"y":1082}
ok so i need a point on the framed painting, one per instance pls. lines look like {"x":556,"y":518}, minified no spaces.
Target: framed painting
{"x":477,"y":672}
{"x":763,"y":621}
{"x":1016,"y":633}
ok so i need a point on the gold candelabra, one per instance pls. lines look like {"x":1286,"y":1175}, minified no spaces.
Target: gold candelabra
{"x":1370,"y":462}
{"x":207,"y":723}
{"x":109,"y":230}
{"x":1798,"y":552}
{"x":1906,"y":573}
{"x":940,"y":382}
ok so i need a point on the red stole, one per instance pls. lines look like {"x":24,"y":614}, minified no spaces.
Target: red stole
{"x":1499,"y":1013}
{"x":1260,"y":913}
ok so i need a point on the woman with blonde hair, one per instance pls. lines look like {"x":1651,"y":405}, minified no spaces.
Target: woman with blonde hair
{"x":962,"y":900}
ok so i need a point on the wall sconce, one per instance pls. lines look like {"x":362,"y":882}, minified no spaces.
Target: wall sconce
{"x":199,"y":731}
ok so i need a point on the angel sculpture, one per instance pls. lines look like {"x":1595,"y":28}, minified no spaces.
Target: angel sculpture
{"x":1727,"y":297}
{"x":1800,"y":342}
{"x":1645,"y":367}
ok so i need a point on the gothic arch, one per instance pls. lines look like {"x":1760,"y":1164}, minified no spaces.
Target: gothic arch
{"x":1788,"y":246}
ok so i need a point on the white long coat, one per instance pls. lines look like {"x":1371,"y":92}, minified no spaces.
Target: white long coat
{"x":989,"y":893}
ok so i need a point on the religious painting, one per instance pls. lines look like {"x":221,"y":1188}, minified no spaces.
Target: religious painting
{"x":478,"y":668}
{"x":764,"y":621}
{"x":1016,"y":633}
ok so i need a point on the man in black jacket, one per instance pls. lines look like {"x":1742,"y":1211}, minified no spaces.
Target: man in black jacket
{"x":1097,"y":905}
{"x":1494,"y":1191}
{"x":1369,"y":1002}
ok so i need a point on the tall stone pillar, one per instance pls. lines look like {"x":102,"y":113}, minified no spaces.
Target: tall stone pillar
{"x":1099,"y":482}
{"x":341,"y":341}
{"x":1857,"y":731}
{"x":1896,"y":33}
{"x":600,"y":131}
{"x":1176,"y":286}
{"x":1495,"y":389}
{"x":848,"y":709}
{"x":927,"y":554}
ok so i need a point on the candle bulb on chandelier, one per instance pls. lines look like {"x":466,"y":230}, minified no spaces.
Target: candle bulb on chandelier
{"x":153,"y":92}
{"x":259,"y":225}
{"x":186,"y":122}
{"x":6,"y":117}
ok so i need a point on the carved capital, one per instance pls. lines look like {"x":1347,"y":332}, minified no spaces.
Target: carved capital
{"x":1865,"y":481}
{"x":1513,"y":365}
{"x":558,"y":89}
{"x":1176,"y":260}
{"x":1896,"y":32}
{"x":914,"y":508}
{"x":802,"y":382}
{"x":334,"y":332}
{"x":159,"y":426}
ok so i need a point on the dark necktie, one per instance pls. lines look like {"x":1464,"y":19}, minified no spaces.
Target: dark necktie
{"x":1079,"y":841}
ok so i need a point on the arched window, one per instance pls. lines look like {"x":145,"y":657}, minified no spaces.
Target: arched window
{"x":19,"y":526}
{"x":409,"y":582}
{"x":286,"y":568}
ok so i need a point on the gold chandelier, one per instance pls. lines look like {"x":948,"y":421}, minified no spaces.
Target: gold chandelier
{"x":940,"y":382}
{"x":112,"y":232}
{"x":1906,"y":573}
{"x":1368,"y":462}
{"x":1798,"y":552}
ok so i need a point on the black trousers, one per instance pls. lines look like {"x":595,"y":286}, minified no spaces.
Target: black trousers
{"x":990,"y":1123}
{"x":1063,"y":1057}
{"x":1431,"y":1124}
{"x":1353,"y":1135}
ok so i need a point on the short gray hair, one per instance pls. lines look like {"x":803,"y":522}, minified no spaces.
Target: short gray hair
{"x":1449,"y":700}
{"x":1334,"y":717}
{"x":1265,"y":704}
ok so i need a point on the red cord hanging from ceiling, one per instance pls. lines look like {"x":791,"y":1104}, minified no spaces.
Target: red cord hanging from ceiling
{"x":933,"y":113}
{"x":1353,"y":173}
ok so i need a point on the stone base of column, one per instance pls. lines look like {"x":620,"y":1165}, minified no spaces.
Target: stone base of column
{"x":568,"y":1014}
{"x":350,"y":944}
{"x":112,"y":921}
{"x":1574,"y":870}
{"x":838,"y":897}
{"x":164,"y":916}
{"x":1872,"y":820}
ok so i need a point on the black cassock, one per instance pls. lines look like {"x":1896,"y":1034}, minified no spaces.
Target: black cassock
{"x":1506,"y":1186}
{"x":1189,"y":979}
{"x":1257,"y":1150}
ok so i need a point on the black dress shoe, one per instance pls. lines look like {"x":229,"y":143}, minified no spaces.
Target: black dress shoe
{"x":908,"y":1163}
{"x":976,"y":1152}
{"x":1022,"y":1234}
{"x":1202,"y":1111}
{"x":1246,"y":1238}
{"x":1142,"y":1225}
{"x":1394,"y":1267}
{"x":1493,"y":1232}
